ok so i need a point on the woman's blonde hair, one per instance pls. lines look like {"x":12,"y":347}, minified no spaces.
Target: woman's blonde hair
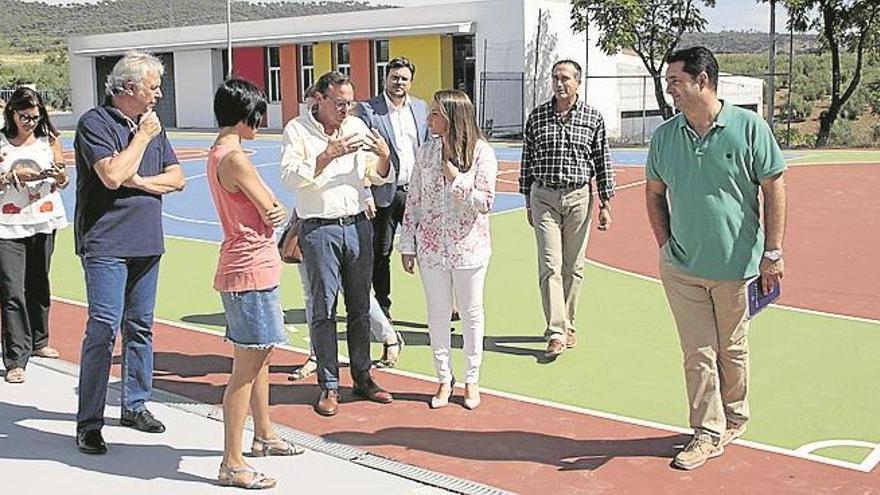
{"x":463,"y":132}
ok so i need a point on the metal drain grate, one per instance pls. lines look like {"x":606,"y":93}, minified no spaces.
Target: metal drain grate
{"x":315,"y":443}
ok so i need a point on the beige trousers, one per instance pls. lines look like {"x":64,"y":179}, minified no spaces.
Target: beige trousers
{"x":713,"y":324}
{"x":561,"y":221}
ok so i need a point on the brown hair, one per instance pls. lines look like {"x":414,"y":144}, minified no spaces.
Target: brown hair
{"x":463,"y":132}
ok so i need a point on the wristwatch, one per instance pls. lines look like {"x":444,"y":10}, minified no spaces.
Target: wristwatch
{"x":773,"y":255}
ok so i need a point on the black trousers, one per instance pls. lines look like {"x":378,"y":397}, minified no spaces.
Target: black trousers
{"x":385,"y":224}
{"x":24,"y":296}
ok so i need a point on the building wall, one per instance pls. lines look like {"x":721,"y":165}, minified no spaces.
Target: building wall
{"x":82,"y":83}
{"x":194,"y":76}
{"x":361,"y":69}
{"x":289,"y":55}
{"x":432,"y":56}
{"x":323,"y":58}
{"x":250,"y":63}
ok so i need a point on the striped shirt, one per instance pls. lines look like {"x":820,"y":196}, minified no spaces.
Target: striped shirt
{"x":566,"y":152}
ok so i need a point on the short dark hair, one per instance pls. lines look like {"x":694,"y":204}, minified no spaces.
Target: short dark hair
{"x":577,"y":67}
{"x":697,"y":59}
{"x":22,"y":99}
{"x":237,"y":100}
{"x":332,"y":78}
{"x":400,"y":63}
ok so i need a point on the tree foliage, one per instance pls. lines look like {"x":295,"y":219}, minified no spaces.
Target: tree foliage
{"x":844,"y":26}
{"x":650,"y":28}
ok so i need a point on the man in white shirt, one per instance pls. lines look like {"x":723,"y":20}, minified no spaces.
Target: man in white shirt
{"x":327,"y":156}
{"x":401,"y":119}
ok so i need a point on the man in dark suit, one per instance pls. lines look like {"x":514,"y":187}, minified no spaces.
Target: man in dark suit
{"x":402,"y":120}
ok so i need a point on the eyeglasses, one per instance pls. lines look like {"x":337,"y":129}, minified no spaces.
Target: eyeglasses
{"x":343,"y":106}
{"x":28,"y":119}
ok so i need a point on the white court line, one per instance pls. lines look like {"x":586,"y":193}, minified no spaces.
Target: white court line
{"x":778,"y":306}
{"x":872,"y":460}
{"x":824,"y":444}
{"x":863,"y":467}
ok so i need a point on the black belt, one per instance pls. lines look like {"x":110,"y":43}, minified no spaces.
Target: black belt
{"x":560,"y":187}
{"x":337,"y":221}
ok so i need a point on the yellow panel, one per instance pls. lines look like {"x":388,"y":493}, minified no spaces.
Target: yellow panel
{"x":323,"y":59}
{"x":446,"y":61}
{"x":432,"y":56}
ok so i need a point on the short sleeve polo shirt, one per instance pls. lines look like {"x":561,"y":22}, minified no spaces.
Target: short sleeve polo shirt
{"x":124,"y":222}
{"x":713,"y":185}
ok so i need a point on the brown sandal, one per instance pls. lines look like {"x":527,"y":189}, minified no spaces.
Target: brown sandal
{"x":232,"y":476}
{"x":15,"y":375}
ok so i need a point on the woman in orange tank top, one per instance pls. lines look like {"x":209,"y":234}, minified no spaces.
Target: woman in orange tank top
{"x":247,"y":277}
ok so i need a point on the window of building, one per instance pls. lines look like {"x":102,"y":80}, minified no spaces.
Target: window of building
{"x":273,"y":74}
{"x":380,"y":64}
{"x":306,"y":68}
{"x":341,"y":58}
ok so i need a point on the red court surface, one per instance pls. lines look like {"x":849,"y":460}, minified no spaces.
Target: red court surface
{"x":517,"y":446}
{"x":832,"y":235}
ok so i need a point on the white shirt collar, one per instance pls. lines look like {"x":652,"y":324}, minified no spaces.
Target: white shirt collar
{"x":390,"y":104}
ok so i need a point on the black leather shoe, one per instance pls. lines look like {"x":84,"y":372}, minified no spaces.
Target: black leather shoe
{"x":142,"y":420}
{"x":91,"y":442}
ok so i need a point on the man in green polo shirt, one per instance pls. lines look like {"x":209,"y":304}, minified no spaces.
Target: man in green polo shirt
{"x":705,"y":169}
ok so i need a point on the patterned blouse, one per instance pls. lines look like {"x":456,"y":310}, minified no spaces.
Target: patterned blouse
{"x":446,"y":225}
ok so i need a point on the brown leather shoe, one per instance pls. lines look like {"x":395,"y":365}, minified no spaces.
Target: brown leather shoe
{"x":328,"y":402}
{"x":373,"y":392}
{"x":571,"y":338}
{"x":554,"y":348}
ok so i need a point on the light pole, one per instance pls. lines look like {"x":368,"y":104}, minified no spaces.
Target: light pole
{"x":228,"y":39}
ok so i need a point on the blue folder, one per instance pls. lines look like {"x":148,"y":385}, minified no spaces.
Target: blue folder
{"x":757,"y":299}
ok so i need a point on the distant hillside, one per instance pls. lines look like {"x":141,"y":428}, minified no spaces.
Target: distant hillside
{"x":749,"y":42}
{"x":37,"y":27}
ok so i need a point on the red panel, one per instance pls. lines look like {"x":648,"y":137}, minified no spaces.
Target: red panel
{"x":361,"y":67}
{"x":289,"y":82}
{"x":250,"y":63}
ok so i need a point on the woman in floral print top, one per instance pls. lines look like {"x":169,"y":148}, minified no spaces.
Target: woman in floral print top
{"x":446,"y":228}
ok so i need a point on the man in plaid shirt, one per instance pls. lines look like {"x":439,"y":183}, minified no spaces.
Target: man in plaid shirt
{"x":564,"y":147}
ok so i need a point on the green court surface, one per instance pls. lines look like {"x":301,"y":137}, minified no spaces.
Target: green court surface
{"x":814,"y":377}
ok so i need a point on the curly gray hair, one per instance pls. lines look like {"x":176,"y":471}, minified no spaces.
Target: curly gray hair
{"x":133,"y":67}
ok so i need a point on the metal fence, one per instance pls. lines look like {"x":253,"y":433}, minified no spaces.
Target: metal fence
{"x":501,"y":104}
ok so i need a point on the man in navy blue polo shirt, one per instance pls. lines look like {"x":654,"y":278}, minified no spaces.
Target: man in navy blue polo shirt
{"x":124,"y":165}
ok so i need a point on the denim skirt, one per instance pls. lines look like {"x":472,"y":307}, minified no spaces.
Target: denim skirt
{"x":254,"y":319}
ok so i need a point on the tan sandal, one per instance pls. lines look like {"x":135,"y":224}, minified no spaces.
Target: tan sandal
{"x":263,"y":447}
{"x":46,"y":352}
{"x":232,"y":476}
{"x":306,"y":370}
{"x":15,"y":375}
{"x":389,"y":361}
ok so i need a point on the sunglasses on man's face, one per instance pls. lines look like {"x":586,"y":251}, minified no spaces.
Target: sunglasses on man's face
{"x":28,"y":119}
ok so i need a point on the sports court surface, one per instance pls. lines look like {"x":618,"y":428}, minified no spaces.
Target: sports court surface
{"x":606,"y":416}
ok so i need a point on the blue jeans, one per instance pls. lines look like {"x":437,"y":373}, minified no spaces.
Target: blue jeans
{"x":339,"y":257}
{"x":121,"y":292}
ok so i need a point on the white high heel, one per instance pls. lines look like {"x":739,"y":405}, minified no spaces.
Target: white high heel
{"x":438,"y":402}
{"x":471,"y":403}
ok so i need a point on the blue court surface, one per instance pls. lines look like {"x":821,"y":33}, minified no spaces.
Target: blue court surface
{"x":191,"y":214}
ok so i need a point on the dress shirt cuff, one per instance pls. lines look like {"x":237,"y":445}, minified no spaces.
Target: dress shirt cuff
{"x":407,"y":243}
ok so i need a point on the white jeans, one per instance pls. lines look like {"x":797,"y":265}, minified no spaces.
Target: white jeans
{"x":467,"y":285}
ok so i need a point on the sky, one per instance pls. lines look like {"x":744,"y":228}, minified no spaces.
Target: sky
{"x":734,"y":15}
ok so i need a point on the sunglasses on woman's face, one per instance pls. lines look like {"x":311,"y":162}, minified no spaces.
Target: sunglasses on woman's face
{"x":28,"y":119}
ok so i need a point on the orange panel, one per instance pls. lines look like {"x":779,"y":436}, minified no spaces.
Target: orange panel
{"x":361,"y":67}
{"x":289,"y":82}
